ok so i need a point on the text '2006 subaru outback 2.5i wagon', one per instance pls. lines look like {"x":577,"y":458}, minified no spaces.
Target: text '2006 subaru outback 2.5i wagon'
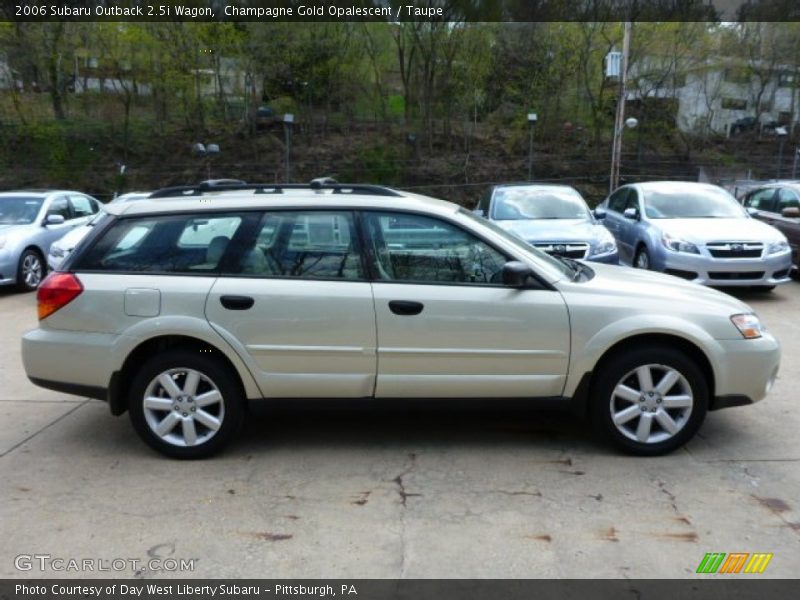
{"x":181,"y":309}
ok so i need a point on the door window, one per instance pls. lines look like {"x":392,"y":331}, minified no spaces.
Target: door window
{"x":786,"y":199}
{"x":617,"y":200}
{"x":415,"y":248}
{"x":60,"y":206}
{"x":82,"y":206}
{"x":305,"y":245}
{"x":761,"y":200}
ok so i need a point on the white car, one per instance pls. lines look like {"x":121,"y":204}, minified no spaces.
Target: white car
{"x":180,"y":310}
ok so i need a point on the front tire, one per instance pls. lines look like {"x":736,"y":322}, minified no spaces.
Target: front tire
{"x":642,"y":259}
{"x":30,"y":270}
{"x":649,"y":401}
{"x":186,"y":405}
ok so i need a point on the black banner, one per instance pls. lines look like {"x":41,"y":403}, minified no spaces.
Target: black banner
{"x":713,"y":588}
{"x":399,"y":10}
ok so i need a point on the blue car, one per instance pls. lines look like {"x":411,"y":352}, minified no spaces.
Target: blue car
{"x":698,"y":232}
{"x":30,"y":221}
{"x":553,"y":218}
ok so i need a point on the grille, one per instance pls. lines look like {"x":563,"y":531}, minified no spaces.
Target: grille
{"x":736,"y":276}
{"x":568,"y":250}
{"x":736,"y":249}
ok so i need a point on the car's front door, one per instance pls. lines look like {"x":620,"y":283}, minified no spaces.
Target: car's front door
{"x":59,"y":206}
{"x":294,"y":301}
{"x":447,"y":326}
{"x":616,"y":222}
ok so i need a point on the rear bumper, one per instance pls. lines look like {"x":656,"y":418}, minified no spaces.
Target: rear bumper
{"x":86,"y":391}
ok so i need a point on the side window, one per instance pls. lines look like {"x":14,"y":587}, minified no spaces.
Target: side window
{"x":633,"y":200}
{"x":305,"y":245}
{"x":415,"y":248}
{"x":483,"y":203}
{"x":82,"y":206}
{"x":60,"y":206}
{"x":761,"y":200}
{"x":617,"y":200}
{"x":163,"y":244}
{"x":786,"y":199}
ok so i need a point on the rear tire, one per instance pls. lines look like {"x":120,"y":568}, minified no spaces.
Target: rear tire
{"x":649,"y":401}
{"x":30,"y":270}
{"x":185,"y":404}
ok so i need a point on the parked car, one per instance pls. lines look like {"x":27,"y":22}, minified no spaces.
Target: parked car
{"x":778,"y":204}
{"x":553,"y":218}
{"x":698,"y":232}
{"x":179,"y":311}
{"x":131,"y":197}
{"x":31,"y":220}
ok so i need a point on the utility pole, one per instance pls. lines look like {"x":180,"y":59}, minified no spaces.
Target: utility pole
{"x":616,"y":146}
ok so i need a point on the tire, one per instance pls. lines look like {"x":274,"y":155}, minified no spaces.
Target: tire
{"x":642,"y":259}
{"x":31,"y":269}
{"x":620,"y":393}
{"x":189,"y":430}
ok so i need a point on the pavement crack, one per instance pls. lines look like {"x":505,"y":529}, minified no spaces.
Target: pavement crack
{"x":401,"y":490}
{"x":40,"y":430}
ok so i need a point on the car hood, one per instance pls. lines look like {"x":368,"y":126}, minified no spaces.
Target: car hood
{"x":634,"y":286}
{"x":553,"y":230}
{"x":13,"y":228}
{"x":71,"y":239}
{"x":700,"y":231}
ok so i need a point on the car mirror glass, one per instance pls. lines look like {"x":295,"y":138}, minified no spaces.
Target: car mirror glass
{"x":791,"y":212}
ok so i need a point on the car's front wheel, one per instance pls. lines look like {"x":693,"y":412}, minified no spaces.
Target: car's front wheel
{"x":186,"y":404}
{"x":642,"y":259}
{"x":30,"y":270}
{"x":649,"y":401}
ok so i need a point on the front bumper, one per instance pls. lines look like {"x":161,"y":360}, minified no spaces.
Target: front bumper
{"x":707,"y":270}
{"x":746,"y":372}
{"x":607,"y":259}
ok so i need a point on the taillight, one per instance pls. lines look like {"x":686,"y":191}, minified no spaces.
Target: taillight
{"x":56,"y":291}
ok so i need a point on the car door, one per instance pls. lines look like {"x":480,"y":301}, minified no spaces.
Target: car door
{"x":616,"y":222}
{"x":630,"y":230}
{"x":789,"y":226}
{"x":762,"y":201}
{"x":58,"y":206}
{"x":447,"y":326}
{"x":293,"y":299}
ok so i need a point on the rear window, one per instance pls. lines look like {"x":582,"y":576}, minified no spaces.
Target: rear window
{"x":163,"y":244}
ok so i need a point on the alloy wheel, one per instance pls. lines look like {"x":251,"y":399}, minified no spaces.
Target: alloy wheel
{"x":651,"y":403}
{"x":183,"y":407}
{"x":32,"y":270}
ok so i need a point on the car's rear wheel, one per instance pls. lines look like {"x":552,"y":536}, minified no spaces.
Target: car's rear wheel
{"x":649,"y":401}
{"x":186,"y":405}
{"x":642,"y":259}
{"x":30,"y":271}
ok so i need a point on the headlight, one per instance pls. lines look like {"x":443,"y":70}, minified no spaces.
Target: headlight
{"x":605,"y":244}
{"x":773,"y":248}
{"x":678,"y":245}
{"x":748,"y":325}
{"x":57,"y":252}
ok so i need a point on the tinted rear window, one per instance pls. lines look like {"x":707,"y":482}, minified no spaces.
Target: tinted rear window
{"x":163,"y":244}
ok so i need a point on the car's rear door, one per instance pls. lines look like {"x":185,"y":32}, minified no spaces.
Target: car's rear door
{"x":447,"y":326}
{"x":294,"y":301}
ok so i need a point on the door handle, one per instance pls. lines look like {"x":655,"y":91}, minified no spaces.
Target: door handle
{"x":236,"y":302}
{"x":406,"y":307}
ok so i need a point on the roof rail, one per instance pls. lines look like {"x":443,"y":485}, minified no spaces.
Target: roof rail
{"x":184,"y":191}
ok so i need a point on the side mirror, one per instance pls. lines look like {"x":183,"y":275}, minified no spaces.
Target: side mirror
{"x":53,"y":220}
{"x":480,"y":212}
{"x":631,"y":213}
{"x":599,"y":213}
{"x":516,"y":273}
{"x":791,"y":212}
{"x":752,"y":211}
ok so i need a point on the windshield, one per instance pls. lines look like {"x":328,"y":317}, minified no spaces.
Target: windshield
{"x":532,"y":202}
{"x":561,"y":267}
{"x":687,"y":203}
{"x":19,"y":210}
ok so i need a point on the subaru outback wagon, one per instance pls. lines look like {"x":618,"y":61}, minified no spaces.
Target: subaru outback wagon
{"x":180,"y":310}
